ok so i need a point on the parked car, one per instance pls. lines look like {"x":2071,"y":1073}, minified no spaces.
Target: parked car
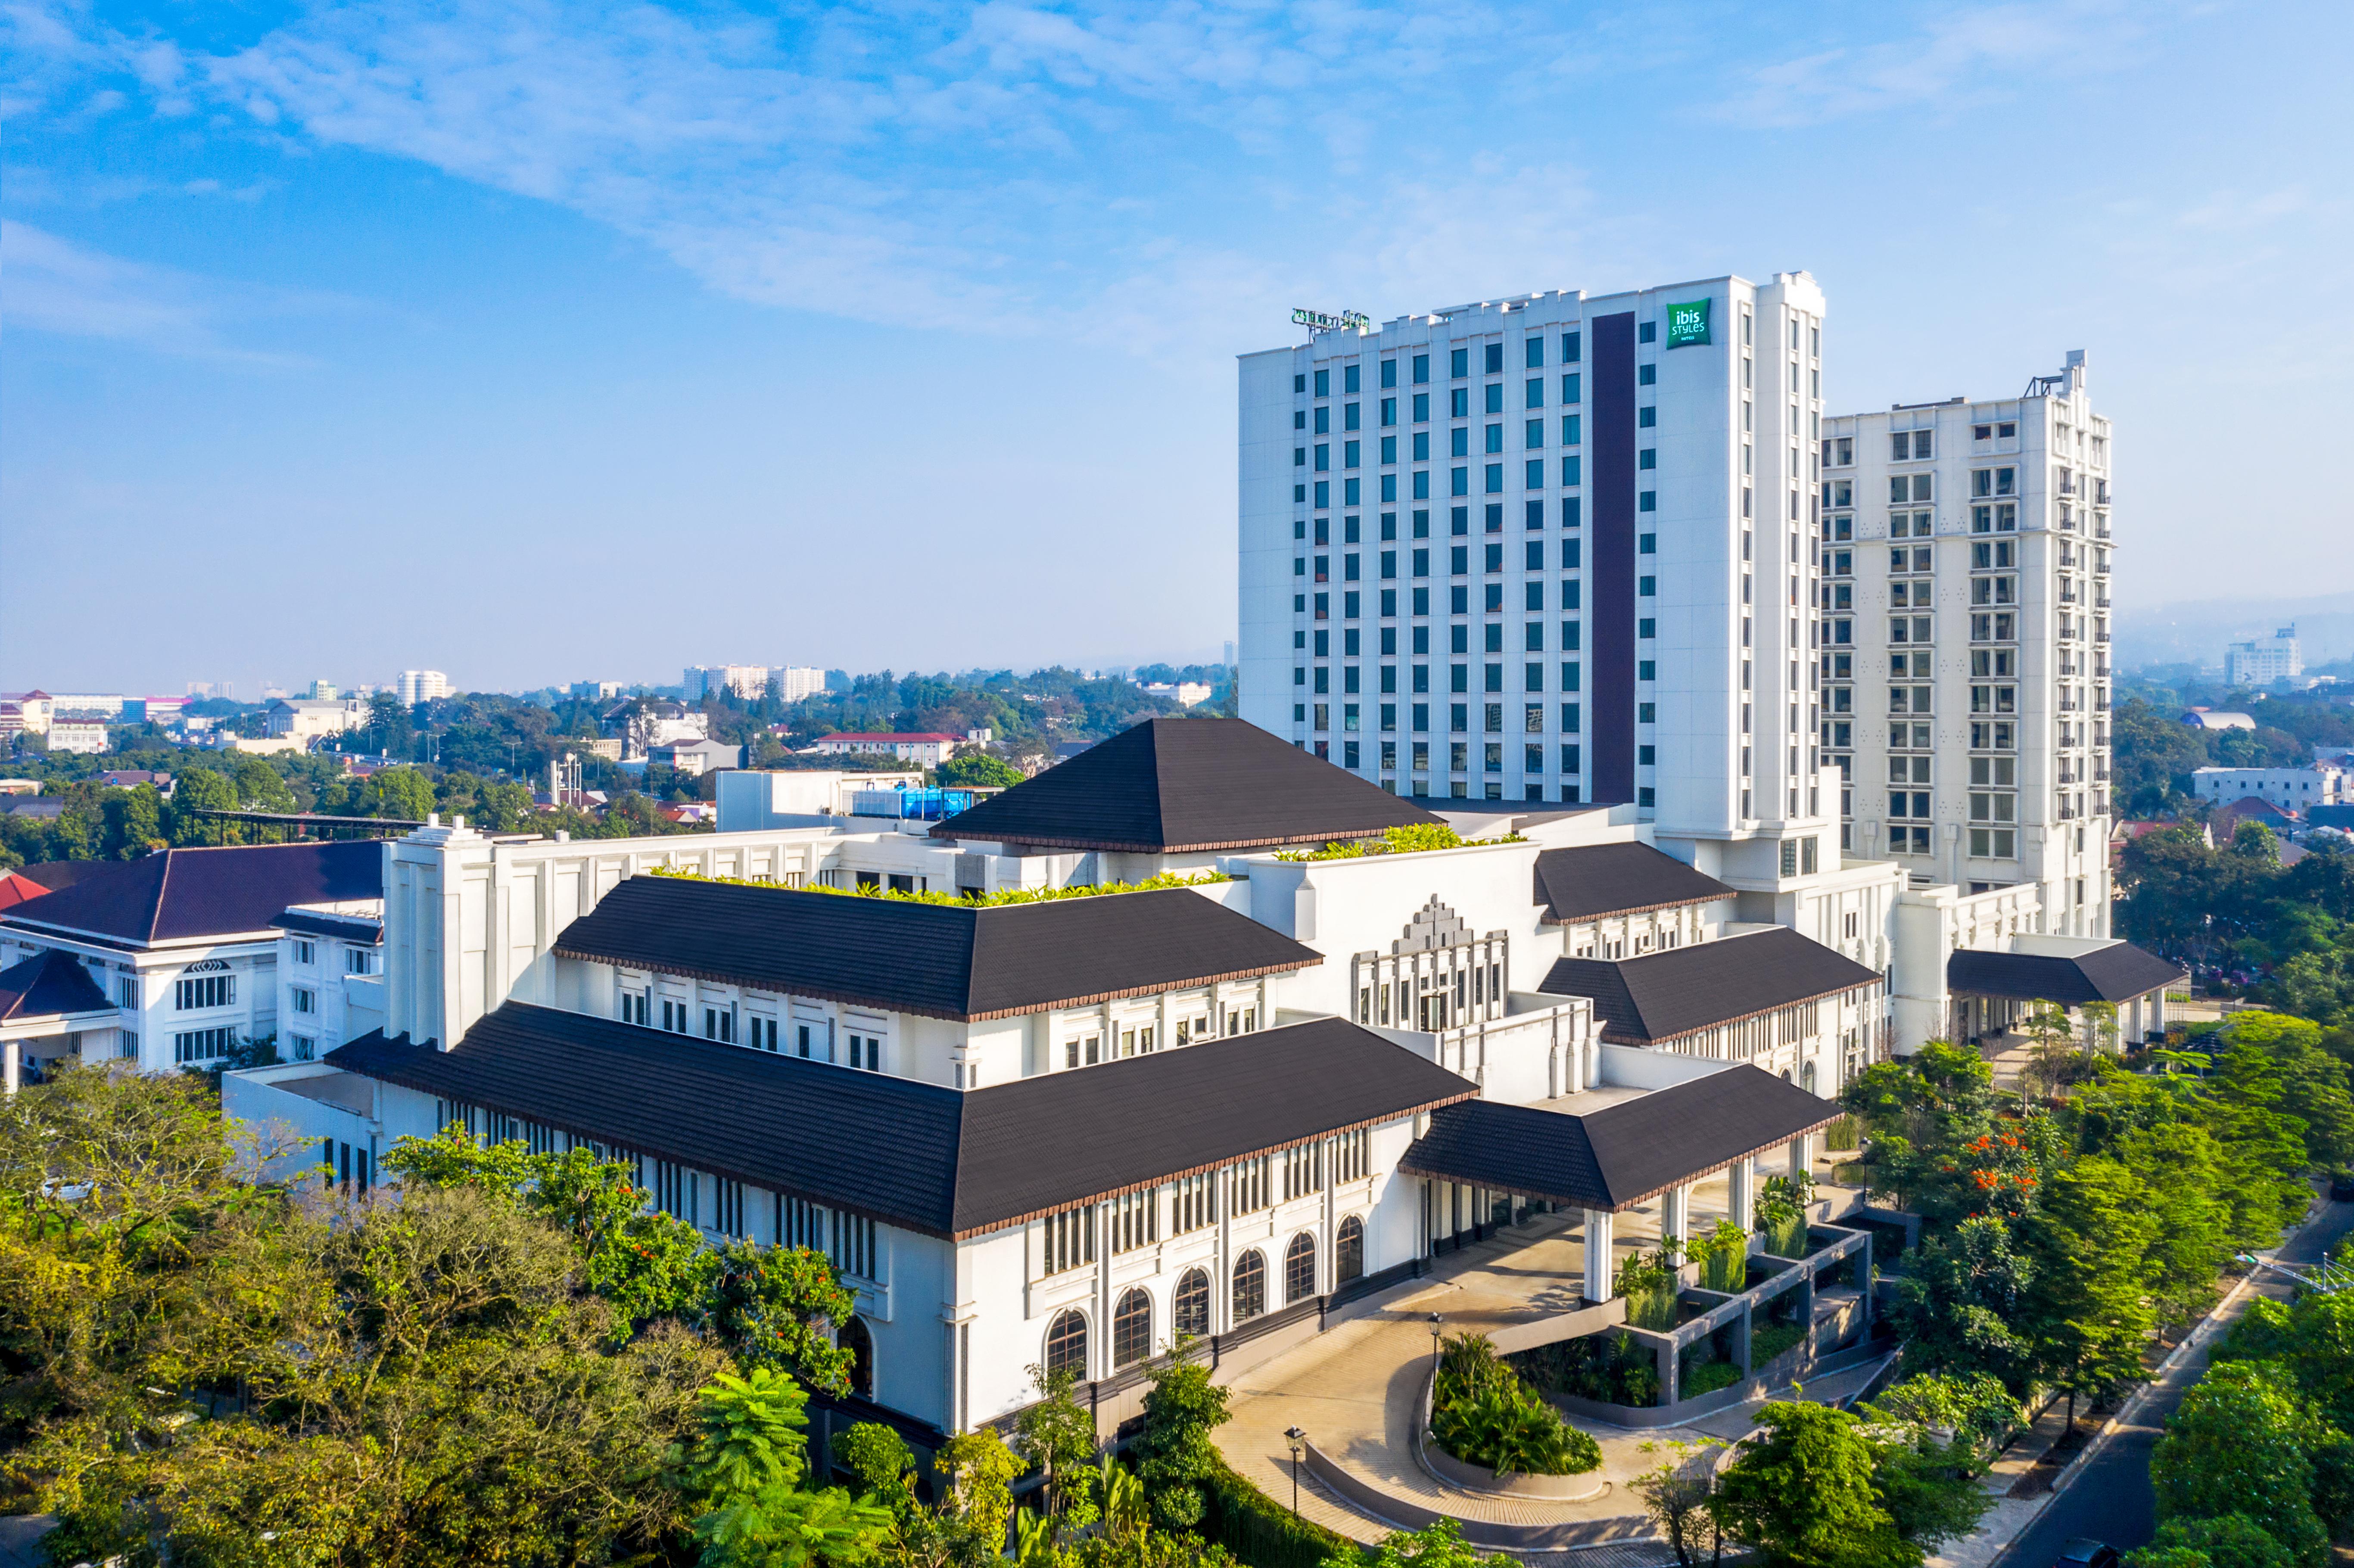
{"x":2341,"y":1185}
{"x":2084,"y":1553}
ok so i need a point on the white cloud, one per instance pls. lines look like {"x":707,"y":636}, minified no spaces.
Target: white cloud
{"x":51,"y":284}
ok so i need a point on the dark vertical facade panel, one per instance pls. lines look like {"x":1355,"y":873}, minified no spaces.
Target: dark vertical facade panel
{"x":1611,"y":494}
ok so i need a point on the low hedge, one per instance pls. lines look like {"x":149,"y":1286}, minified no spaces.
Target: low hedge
{"x":1768,"y":1340}
{"x":1263,"y":1532}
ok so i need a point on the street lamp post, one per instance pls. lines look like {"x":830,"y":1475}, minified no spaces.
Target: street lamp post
{"x":1298,"y":1440}
{"x":1435,"y":1320}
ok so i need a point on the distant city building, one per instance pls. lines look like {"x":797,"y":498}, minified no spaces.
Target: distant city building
{"x":153,"y":710}
{"x":593,"y":691}
{"x":795,"y":682}
{"x":750,"y":682}
{"x":2261,"y":660}
{"x":696,"y":757}
{"x":752,"y":801}
{"x":2289,"y":789}
{"x":87,"y":736}
{"x":30,"y":711}
{"x":307,"y":719}
{"x":323,"y":691}
{"x":421,"y":686}
{"x":641,"y":723}
{"x":1185,"y":693}
{"x":86,"y":704}
{"x":928,"y":748}
{"x":2209,"y":718}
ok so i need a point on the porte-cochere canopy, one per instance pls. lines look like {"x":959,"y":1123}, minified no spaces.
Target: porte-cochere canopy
{"x":1624,"y":1154}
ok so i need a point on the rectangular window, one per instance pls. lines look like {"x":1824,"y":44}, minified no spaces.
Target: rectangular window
{"x":202,"y":1045}
{"x":1253,"y":1180}
{"x":1067,"y":1240}
{"x":201,"y":992}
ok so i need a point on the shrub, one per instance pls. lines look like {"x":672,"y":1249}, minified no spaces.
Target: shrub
{"x":1647,"y":1281}
{"x":1707,"y":1377}
{"x":1770,"y":1341}
{"x":1608,"y":1368}
{"x":1782,"y":1213}
{"x":1264,"y":1533}
{"x":1723,"y":1258}
{"x":1482,"y":1413}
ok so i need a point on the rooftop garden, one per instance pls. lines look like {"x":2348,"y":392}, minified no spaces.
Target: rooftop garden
{"x":1412,"y":839}
{"x":961,"y":901}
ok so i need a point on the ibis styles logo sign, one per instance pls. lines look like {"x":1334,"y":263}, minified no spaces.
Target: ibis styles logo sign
{"x":1687,"y":324}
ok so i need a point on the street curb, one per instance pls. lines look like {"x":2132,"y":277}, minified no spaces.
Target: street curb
{"x":2199,"y":1335}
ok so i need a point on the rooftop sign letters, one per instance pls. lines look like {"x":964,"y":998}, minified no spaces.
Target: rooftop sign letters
{"x":1687,"y":324}
{"x":1347,"y":320}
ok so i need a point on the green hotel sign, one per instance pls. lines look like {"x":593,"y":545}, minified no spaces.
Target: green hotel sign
{"x":1687,"y":324}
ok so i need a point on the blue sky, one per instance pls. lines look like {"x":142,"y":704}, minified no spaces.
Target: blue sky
{"x":538,"y":343}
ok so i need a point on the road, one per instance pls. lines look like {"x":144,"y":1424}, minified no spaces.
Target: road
{"x":2109,"y":1498}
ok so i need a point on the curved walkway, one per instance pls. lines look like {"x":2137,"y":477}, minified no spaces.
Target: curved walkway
{"x":1356,"y":1389}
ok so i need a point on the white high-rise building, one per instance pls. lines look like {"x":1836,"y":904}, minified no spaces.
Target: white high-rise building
{"x":1965,"y":558}
{"x":2261,"y":660}
{"x":1555,"y":548}
{"x":795,"y":682}
{"x":422,"y":686}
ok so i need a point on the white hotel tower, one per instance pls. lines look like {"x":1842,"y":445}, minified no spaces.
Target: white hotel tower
{"x":1556,"y":547}
{"x":1966,"y":557}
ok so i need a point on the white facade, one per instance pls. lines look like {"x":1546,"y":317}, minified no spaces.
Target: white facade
{"x":77,"y":735}
{"x":696,"y":757}
{"x":1966,"y":552}
{"x":750,"y":682}
{"x":924,"y":748}
{"x":2261,"y":660}
{"x":753,"y":799}
{"x":87,"y":703}
{"x":330,"y":979}
{"x":417,"y":686}
{"x":1546,"y":548}
{"x":312,"y":718}
{"x":795,"y":682}
{"x":2289,"y":789}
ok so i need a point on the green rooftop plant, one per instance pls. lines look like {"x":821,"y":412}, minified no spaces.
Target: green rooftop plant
{"x":1723,"y":1258}
{"x":1410,"y":839}
{"x":1647,"y":1281}
{"x":1483,"y":1415}
{"x":962,"y":901}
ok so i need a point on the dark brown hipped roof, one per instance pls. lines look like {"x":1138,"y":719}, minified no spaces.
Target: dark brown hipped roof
{"x":2118,"y":972}
{"x":181,"y":894}
{"x":49,"y":984}
{"x":1597,"y":880}
{"x":1679,"y":991}
{"x":1618,"y":1157}
{"x":1171,"y":785}
{"x":939,"y":960}
{"x":910,"y":1154}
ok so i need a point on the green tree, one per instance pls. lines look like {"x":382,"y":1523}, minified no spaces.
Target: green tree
{"x":745,"y":1472}
{"x":1675,"y":1496}
{"x":2089,"y":1317}
{"x":1960,"y":1300}
{"x":195,"y":790}
{"x":1055,"y":1434}
{"x":1176,"y":1456}
{"x":977,"y":770}
{"x":1438,"y":1545}
{"x":404,"y":794}
{"x":134,"y":822}
{"x":261,"y":788}
{"x":1802,"y":1493}
{"x":2233,"y":1540}
{"x":2243,"y":1442}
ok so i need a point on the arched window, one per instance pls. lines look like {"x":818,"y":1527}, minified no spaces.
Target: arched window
{"x":1349,"y":1251}
{"x":1190,"y":1311}
{"x":1067,"y":1344}
{"x":1250,"y":1287}
{"x":1807,"y":1078}
{"x":1299,"y":1268}
{"x":855,"y":1339}
{"x":1131,"y":1329}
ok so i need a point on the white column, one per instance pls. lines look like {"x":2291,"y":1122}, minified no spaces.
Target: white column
{"x":14,"y":1068}
{"x":1601,"y":1264}
{"x":1802,"y":1155}
{"x":1675,"y":1213}
{"x":1741,"y":1181}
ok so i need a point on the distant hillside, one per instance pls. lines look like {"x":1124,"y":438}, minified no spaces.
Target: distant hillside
{"x":2195,"y":631}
